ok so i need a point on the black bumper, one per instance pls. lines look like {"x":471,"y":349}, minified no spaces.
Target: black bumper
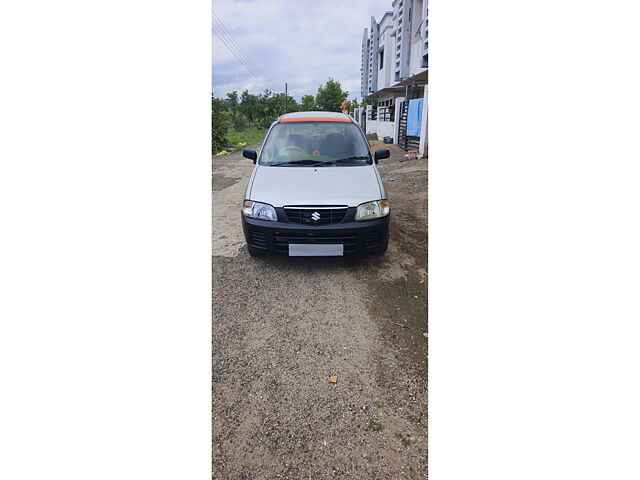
{"x":368,"y":236}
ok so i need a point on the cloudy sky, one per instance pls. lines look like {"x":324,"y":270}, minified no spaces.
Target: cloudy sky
{"x":302,"y":42}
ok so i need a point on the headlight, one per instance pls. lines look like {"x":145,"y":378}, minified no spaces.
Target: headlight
{"x":260,"y":211}
{"x":371,"y":210}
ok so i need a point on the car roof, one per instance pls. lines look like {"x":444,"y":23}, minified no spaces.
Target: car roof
{"x":315,"y":117}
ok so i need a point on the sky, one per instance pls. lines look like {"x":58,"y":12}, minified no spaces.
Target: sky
{"x":301,"y":42}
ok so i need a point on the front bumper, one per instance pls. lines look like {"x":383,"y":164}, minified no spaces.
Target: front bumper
{"x":367,"y":236}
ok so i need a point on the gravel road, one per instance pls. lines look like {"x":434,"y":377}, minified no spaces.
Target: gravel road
{"x":282,"y":326}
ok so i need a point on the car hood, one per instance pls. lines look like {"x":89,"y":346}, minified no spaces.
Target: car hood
{"x":280,"y":186}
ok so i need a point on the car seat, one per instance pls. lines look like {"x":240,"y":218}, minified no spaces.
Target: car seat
{"x":337,"y":146}
{"x":297,"y":140}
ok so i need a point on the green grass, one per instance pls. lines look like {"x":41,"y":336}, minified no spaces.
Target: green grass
{"x":378,"y":404}
{"x":375,"y":426}
{"x":405,"y":440}
{"x":250,"y":136}
{"x":240,"y":139}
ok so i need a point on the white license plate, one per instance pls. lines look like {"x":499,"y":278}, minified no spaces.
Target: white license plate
{"x":315,"y":250}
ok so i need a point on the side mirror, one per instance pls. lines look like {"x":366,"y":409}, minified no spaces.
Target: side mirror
{"x":252,"y":155}
{"x":380,"y":154}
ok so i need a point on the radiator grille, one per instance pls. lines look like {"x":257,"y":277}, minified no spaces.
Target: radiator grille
{"x":315,"y":216}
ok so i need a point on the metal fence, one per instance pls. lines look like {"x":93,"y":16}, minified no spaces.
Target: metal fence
{"x":384,"y":114}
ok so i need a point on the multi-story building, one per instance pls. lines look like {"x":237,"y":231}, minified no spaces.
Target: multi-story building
{"x":394,"y":75}
{"x":374,"y":37}
{"x":386,"y":45}
{"x":364,"y":66}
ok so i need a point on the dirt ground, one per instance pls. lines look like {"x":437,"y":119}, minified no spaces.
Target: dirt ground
{"x":282,"y":326}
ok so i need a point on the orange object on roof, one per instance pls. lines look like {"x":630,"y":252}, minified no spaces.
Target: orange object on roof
{"x":315,"y":119}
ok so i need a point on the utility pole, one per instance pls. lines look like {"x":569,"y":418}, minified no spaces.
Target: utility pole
{"x":286,"y":97}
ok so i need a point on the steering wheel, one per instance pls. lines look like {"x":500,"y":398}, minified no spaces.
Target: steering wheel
{"x":288,"y":148}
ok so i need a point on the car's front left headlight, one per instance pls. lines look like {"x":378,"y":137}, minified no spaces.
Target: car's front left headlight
{"x":259,"y":211}
{"x":372,"y":210}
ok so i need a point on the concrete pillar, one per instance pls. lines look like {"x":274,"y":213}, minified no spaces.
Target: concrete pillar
{"x":396,"y":119}
{"x":369,"y":125}
{"x":424,"y":125}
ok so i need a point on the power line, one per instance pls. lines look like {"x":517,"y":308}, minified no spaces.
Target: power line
{"x":242,"y":62}
{"x":227,"y":39}
{"x":229,"y":42}
{"x":232,"y":40}
{"x":235,"y":49}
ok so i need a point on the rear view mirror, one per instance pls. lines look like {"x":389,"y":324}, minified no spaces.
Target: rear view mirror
{"x":252,"y":155}
{"x":380,"y":154}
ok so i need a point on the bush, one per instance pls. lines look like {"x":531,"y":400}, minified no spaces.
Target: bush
{"x":239,"y":122}
{"x":264,"y":123}
{"x":220,"y":123}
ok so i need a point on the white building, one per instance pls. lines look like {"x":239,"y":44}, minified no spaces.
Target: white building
{"x":364,"y":65}
{"x":386,"y":44}
{"x":394,"y":75}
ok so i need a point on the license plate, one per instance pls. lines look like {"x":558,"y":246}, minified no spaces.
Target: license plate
{"x":315,"y":250}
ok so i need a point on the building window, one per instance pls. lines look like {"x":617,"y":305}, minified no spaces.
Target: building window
{"x":381,"y":60}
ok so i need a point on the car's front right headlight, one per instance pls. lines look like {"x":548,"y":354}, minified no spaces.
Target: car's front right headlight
{"x":372,"y":210}
{"x":259,"y":211}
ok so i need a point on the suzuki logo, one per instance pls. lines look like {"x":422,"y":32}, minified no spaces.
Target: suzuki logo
{"x":315,"y":216}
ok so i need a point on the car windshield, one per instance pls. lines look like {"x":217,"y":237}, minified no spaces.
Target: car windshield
{"x":317,"y":144}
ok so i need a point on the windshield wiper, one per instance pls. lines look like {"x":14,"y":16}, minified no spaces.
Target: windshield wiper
{"x":306,"y":161}
{"x":314,"y":163}
{"x":333,"y":162}
{"x":360,"y":157}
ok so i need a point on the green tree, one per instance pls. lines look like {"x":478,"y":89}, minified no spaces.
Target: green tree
{"x":232,"y":101}
{"x":283,"y":104}
{"x":265,"y":111}
{"x":248,"y":106}
{"x":290,"y":105}
{"x":220,"y":123}
{"x":308,"y":103}
{"x":248,"y":110}
{"x":330,"y":96}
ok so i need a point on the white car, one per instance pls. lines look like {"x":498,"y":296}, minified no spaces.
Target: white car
{"x":315,"y":189}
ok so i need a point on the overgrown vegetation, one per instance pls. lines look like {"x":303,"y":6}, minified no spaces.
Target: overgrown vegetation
{"x":248,"y":136}
{"x":245,"y":118}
